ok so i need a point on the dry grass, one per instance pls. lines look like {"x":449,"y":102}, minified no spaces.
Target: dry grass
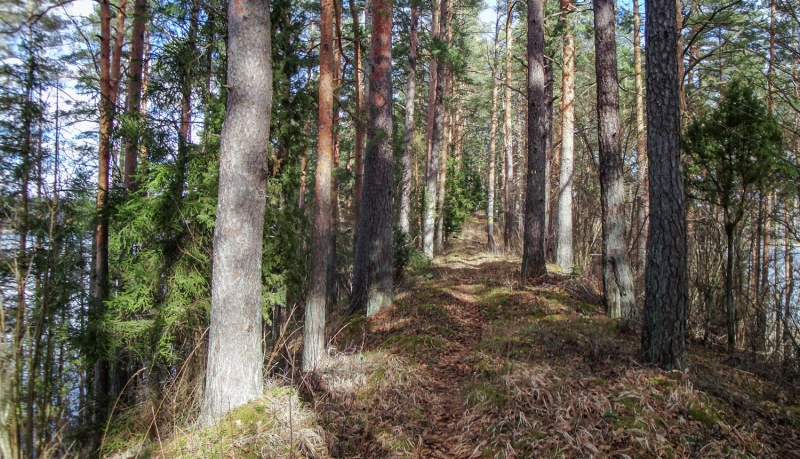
{"x":469,"y":364}
{"x":278,"y":425}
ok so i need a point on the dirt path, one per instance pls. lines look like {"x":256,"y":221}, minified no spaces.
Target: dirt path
{"x":466,"y":364}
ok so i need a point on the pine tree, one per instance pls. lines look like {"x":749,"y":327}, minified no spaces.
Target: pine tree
{"x":372,"y":267}
{"x":234,"y":373}
{"x":533,"y":254}
{"x":666,"y":287}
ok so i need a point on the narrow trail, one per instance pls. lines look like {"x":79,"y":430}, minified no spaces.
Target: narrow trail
{"x":466,"y":364}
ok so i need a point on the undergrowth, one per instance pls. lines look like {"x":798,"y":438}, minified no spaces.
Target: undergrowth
{"x":469,"y":364}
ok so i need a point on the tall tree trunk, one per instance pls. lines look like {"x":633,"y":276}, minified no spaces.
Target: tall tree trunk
{"x":301,"y":196}
{"x":533,"y":253}
{"x":185,"y":128}
{"x":729,"y":303}
{"x":771,"y":63}
{"x":641,"y":153}
{"x":133,"y":102}
{"x":679,"y":50}
{"x":666,"y":285}
{"x":434,"y":134}
{"x":618,"y":291}
{"x":408,"y":134}
{"x":235,"y":358}
{"x":449,"y":127}
{"x":548,"y":93}
{"x":493,"y":141}
{"x":508,"y":145}
{"x":761,"y":306}
{"x":441,"y":184}
{"x":787,"y":306}
{"x":99,"y":280}
{"x":323,"y":229}
{"x":564,"y":250}
{"x":359,"y":119}
{"x":372,"y":267}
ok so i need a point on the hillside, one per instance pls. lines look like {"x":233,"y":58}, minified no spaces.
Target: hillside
{"x":468,"y":364}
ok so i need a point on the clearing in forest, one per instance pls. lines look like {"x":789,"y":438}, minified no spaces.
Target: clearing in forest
{"x":469,"y":364}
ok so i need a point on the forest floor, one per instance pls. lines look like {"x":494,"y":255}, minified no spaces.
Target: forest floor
{"x":469,"y":364}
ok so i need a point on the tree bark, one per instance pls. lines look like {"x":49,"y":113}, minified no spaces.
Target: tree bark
{"x":666,"y":287}
{"x":408,"y":135}
{"x":235,"y":358}
{"x":99,"y":278}
{"x":564,"y":250}
{"x":323,"y":230}
{"x":729,"y":303}
{"x":548,"y":93}
{"x":508,"y":177}
{"x":372,"y":277}
{"x":618,"y":291}
{"x":449,"y":129}
{"x":533,"y":253}
{"x":133,"y":103}
{"x":185,"y":128}
{"x":434,"y":134}
{"x":359,"y":120}
{"x":761,"y":307}
{"x":493,"y":142}
{"x":641,"y":152}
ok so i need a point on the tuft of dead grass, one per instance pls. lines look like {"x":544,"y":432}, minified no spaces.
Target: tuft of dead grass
{"x":277,"y":425}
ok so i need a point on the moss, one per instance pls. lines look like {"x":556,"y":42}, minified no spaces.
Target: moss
{"x":413,"y":344}
{"x":703,"y":414}
{"x":486,"y":393}
{"x":629,"y":422}
{"x":552,"y":318}
{"x":661,"y":382}
{"x":378,"y":376}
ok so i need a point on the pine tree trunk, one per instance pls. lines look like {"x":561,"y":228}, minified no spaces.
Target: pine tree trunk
{"x":434,"y":135}
{"x":548,"y":93}
{"x":359,"y":120}
{"x":133,"y":104}
{"x":301,"y":195}
{"x":185,"y":129}
{"x":618,"y":291}
{"x":533,"y":253}
{"x":508,"y":145}
{"x":761,"y":306}
{"x":322,"y":232}
{"x":729,"y":303}
{"x":234,"y":372}
{"x":641,"y":153}
{"x":438,"y":243}
{"x":372,"y":267}
{"x":493,"y":143}
{"x":408,"y":134}
{"x":449,"y":129}
{"x":564,"y":250}
{"x":99,"y":279}
{"x":666,"y":285}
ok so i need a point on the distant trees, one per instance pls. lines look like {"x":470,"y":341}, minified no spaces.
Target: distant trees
{"x":735,"y":150}
{"x":234,"y":374}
